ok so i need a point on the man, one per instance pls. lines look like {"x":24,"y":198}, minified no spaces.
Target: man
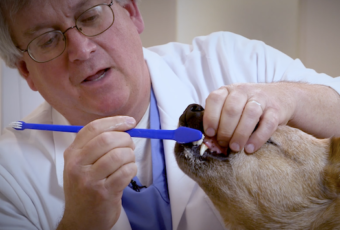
{"x":86,"y":59}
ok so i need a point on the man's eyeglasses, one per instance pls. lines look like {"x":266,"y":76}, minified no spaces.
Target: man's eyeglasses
{"x":52,"y":44}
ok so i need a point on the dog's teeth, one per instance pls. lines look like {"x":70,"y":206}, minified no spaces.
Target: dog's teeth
{"x":203,"y":148}
{"x":199,"y":141}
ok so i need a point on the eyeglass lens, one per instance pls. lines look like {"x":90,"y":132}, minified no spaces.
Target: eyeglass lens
{"x":92,"y":22}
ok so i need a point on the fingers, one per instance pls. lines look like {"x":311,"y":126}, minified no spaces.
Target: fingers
{"x":225,"y":107}
{"x":101,"y":140}
{"x":212,"y":114}
{"x":103,"y":143}
{"x":98,"y":165}
{"x":232,"y":113}
{"x":94,"y":128}
{"x":264,"y":131}
{"x":98,"y":137}
{"x":117,"y":181}
{"x":246,"y":125}
{"x":112,"y":162}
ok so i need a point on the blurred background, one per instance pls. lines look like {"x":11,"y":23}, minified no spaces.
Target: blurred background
{"x":304,"y":29}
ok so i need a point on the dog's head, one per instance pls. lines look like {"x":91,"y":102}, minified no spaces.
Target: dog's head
{"x":289,"y":182}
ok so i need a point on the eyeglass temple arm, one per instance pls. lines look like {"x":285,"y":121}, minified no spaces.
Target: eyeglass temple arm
{"x":21,"y":50}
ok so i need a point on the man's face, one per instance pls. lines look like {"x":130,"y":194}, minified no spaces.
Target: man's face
{"x":96,"y":76}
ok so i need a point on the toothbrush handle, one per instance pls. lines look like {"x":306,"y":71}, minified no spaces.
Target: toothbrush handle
{"x":151,"y":133}
{"x":180,"y":135}
{"x":145,"y":133}
{"x":60,"y":128}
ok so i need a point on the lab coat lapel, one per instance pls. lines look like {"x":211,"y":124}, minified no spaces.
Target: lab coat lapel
{"x":62,"y":141}
{"x":172,"y":99}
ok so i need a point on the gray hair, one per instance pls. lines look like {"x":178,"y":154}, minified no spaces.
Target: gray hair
{"x":8,"y":51}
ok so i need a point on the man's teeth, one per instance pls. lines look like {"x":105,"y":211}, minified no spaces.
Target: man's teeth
{"x":203,"y":148}
{"x":100,"y":77}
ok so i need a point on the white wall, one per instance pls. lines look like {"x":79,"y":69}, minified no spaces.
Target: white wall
{"x":305,"y":29}
{"x":17,"y":99}
{"x":160,"y":17}
{"x":320,"y":35}
{"x":272,"y":21}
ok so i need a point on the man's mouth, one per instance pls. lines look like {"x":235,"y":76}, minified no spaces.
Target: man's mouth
{"x":96,"y":77}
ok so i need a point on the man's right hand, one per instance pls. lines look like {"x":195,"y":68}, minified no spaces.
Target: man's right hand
{"x":99,"y":164}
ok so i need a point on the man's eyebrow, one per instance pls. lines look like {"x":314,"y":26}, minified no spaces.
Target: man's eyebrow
{"x":80,"y":4}
{"x":33,"y":30}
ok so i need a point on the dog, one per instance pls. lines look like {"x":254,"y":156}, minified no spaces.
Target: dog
{"x":291,"y":182}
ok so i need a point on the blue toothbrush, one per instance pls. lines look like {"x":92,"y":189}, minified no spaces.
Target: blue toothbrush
{"x":181,"y":135}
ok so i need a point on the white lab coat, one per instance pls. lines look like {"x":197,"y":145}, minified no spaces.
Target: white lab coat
{"x":31,"y":162}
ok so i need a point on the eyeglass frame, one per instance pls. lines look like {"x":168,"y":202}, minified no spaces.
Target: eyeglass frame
{"x":71,"y":27}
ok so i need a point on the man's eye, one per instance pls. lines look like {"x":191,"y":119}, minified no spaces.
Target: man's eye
{"x":48,"y":41}
{"x":90,"y":17}
{"x":89,"y":20}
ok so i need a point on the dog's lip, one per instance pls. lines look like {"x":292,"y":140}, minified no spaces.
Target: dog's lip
{"x":208,"y":153}
{"x":214,"y":155}
{"x":222,"y":155}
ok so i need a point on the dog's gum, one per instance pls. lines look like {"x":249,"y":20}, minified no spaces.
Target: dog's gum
{"x":213,"y":145}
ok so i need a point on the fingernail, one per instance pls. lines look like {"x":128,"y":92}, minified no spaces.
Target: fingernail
{"x":130,"y":121}
{"x":223,"y":143}
{"x":210,"y":132}
{"x":235,"y":147}
{"x":250,"y":148}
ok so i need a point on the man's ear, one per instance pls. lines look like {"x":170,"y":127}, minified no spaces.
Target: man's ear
{"x":135,"y":15}
{"x":24,"y":72}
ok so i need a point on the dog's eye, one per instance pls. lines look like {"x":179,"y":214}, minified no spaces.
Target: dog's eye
{"x":271,"y":142}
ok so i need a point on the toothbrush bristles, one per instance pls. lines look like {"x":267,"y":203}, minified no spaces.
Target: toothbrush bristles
{"x":16,"y":125}
{"x":199,"y":142}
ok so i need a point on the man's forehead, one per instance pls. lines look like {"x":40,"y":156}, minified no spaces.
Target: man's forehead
{"x":67,"y":8}
{"x":68,"y":5}
{"x":76,"y":5}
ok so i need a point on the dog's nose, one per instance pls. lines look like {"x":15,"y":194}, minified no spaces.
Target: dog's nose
{"x":192,"y":117}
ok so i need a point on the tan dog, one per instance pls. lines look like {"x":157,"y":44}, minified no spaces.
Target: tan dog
{"x":292,"y":182}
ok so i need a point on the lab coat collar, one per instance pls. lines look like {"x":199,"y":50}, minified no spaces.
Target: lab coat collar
{"x":172,"y":99}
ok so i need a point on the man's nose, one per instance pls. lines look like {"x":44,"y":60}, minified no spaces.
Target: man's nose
{"x":79,"y":46}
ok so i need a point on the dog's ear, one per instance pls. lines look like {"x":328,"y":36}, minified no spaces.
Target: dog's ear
{"x":332,"y":170}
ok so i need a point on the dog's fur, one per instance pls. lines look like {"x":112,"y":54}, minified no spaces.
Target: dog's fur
{"x":292,"y":182}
